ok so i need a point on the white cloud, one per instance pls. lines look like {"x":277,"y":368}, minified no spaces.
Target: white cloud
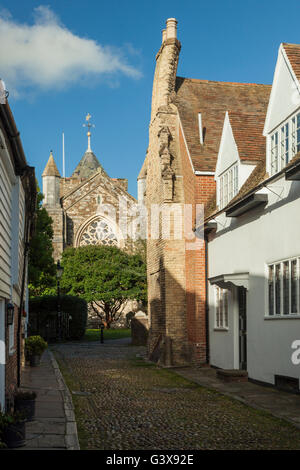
{"x":47,"y":55}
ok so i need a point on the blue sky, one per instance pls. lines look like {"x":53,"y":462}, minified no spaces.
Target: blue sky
{"x":61,"y":59}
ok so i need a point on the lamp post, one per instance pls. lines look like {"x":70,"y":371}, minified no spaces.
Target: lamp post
{"x":59,"y":271}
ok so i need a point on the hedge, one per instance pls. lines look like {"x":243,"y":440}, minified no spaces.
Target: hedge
{"x":43,"y":316}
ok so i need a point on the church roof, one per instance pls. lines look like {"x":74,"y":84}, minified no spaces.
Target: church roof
{"x":212,"y":99}
{"x":51,"y":168}
{"x":87,"y":165}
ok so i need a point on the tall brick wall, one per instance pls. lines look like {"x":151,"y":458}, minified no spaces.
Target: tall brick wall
{"x":205,"y":188}
{"x":197,"y":190}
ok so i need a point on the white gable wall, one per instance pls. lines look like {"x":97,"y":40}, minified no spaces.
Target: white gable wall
{"x":228,"y":152}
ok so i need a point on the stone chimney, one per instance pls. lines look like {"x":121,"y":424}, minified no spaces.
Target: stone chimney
{"x":166,"y":67}
{"x":171,"y":31}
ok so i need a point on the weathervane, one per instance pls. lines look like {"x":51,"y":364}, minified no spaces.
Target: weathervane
{"x":88,"y":125}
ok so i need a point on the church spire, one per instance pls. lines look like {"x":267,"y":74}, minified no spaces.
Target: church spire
{"x":89,"y":162}
{"x":51,"y":168}
{"x":88,"y":125}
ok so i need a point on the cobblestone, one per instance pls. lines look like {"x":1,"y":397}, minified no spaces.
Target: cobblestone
{"x":129,"y":404}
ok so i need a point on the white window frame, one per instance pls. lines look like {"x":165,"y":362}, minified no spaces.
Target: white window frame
{"x":277,"y":308}
{"x":221,"y":310}
{"x":287,"y":145}
{"x":228,"y":185}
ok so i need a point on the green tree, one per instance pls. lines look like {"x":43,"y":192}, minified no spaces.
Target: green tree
{"x":105,"y":277}
{"x":41,"y":266}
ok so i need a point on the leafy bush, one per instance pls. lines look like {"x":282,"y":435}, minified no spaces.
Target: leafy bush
{"x":43,"y":311}
{"x":106,"y":277}
{"x":35,"y":345}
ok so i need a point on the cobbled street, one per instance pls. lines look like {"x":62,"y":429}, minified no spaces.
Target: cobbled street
{"x":124,"y":403}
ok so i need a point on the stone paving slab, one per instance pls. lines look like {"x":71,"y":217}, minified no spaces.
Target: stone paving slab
{"x":281,"y":404}
{"x":54,"y":425}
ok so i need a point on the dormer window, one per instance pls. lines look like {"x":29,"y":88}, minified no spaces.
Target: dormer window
{"x":285,"y":143}
{"x":228,"y":186}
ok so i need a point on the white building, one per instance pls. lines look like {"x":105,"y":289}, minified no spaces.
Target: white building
{"x":17,"y":206}
{"x":254,"y":237}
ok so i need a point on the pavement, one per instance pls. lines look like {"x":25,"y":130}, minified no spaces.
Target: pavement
{"x":54,"y":426}
{"x":283,"y":405}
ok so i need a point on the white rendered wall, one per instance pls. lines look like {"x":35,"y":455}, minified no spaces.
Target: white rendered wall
{"x":284,"y":98}
{"x":248,"y":244}
{"x":228,"y":153}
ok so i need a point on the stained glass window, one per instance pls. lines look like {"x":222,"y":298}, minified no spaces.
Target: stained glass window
{"x":98,"y":232}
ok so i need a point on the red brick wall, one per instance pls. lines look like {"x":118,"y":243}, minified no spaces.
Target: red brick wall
{"x":197,"y":190}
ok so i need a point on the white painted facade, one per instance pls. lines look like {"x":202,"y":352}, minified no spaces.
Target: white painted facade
{"x":247,"y":244}
{"x":12,"y":225}
{"x":243,"y":247}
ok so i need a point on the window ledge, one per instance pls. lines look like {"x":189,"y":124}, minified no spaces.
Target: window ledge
{"x":11,"y":352}
{"x":221,"y":329}
{"x":283,"y":317}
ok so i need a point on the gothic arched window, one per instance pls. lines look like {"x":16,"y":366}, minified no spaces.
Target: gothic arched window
{"x":98,"y":232}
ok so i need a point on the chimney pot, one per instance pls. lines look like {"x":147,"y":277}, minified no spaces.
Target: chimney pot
{"x":171,"y":32}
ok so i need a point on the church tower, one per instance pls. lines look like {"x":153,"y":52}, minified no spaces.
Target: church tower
{"x":84,"y":207}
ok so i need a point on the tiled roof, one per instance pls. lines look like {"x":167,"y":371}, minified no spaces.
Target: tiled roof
{"x":212,"y":100}
{"x":258,"y":176}
{"x":248,"y":134}
{"x":51,"y":168}
{"x":293,"y":53}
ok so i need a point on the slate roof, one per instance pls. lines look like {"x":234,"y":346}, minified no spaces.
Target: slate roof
{"x":51,"y":168}
{"x":212,"y":99}
{"x":87,"y":166}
